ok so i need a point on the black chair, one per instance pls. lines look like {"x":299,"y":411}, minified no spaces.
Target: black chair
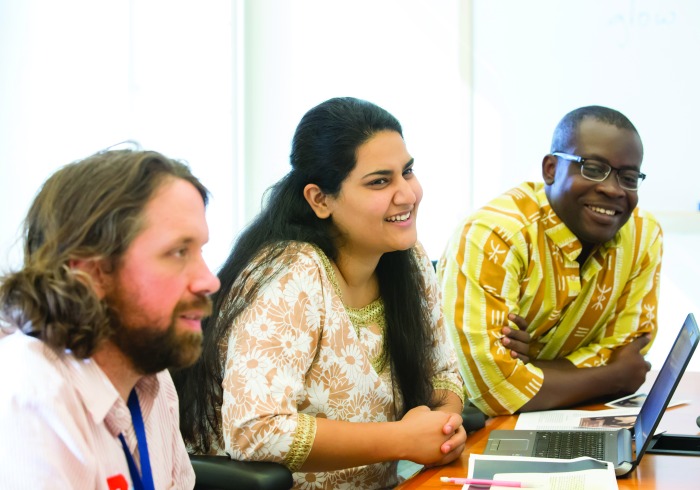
{"x":473,"y":419}
{"x":223,"y":473}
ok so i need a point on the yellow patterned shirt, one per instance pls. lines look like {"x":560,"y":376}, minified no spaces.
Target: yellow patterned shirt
{"x":516,"y":255}
{"x":296,"y":353}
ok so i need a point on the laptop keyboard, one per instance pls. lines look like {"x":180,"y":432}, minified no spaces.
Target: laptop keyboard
{"x":568,"y":445}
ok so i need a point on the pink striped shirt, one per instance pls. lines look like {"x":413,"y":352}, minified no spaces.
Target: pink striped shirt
{"x":60,"y":418}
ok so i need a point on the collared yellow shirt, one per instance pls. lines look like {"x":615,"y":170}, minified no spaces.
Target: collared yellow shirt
{"x":515,"y":255}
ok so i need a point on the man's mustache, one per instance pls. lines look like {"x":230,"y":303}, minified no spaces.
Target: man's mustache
{"x":203,"y":303}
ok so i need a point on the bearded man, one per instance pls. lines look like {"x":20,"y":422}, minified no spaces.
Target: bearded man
{"x":111,"y":294}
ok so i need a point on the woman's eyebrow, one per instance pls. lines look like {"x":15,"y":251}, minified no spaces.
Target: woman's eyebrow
{"x":387,"y":172}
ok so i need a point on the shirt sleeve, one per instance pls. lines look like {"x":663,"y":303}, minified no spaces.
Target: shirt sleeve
{"x":637,"y":307}
{"x":480,"y":274}
{"x":182,"y":472}
{"x":447,"y":375}
{"x":43,"y":446}
{"x":272,"y":345}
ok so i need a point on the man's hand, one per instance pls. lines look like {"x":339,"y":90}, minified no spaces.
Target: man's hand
{"x":517,"y":340}
{"x":630,"y":365}
{"x":565,"y":385}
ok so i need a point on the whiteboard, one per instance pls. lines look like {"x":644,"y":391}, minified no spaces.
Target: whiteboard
{"x":535,"y":61}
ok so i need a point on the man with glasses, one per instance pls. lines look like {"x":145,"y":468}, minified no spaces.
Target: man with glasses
{"x":551,"y":289}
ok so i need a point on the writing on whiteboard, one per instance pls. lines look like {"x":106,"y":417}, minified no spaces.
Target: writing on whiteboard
{"x":640,"y":18}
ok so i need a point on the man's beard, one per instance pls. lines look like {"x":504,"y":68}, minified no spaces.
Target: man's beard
{"x":151,"y":348}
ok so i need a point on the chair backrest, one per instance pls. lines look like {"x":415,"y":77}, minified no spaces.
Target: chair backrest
{"x":472,"y":418}
{"x":223,"y":473}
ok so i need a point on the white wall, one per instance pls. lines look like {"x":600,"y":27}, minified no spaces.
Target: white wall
{"x":223,"y":83}
{"x":79,"y":75}
{"x":410,"y":57}
{"x":535,"y":61}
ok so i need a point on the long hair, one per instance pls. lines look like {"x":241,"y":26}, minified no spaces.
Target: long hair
{"x":89,"y":209}
{"x":324,"y":152}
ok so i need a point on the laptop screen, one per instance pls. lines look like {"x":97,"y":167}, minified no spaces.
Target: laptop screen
{"x":666,"y":382}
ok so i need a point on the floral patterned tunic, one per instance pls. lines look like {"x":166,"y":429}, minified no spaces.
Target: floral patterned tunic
{"x":296,"y":353}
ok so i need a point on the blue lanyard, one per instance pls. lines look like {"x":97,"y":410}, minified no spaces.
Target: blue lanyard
{"x":143,"y":481}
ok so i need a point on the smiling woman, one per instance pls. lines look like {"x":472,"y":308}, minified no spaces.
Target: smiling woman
{"x":376,"y":207}
{"x":326,"y":351}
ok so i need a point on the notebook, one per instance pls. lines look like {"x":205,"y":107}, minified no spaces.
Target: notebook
{"x":617,"y":446}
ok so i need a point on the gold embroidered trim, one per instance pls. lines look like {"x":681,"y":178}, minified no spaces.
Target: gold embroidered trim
{"x":372,"y":313}
{"x":303,"y":440}
{"x":443,"y":384}
{"x":329,"y":270}
{"x":360,"y":318}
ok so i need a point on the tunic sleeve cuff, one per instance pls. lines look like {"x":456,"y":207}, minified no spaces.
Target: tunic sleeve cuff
{"x":303,"y":440}
{"x":444,"y":384}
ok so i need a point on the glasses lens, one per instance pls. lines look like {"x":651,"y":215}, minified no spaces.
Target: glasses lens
{"x":629,"y":179}
{"x":598,"y":171}
{"x":593,"y":170}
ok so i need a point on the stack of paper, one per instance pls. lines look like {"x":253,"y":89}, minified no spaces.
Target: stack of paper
{"x":543,"y":473}
{"x":617,"y":418}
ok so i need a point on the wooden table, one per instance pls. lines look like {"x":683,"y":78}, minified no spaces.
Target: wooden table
{"x":654,"y":472}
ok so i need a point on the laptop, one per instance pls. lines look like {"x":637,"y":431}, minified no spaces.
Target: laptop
{"x":617,"y":446}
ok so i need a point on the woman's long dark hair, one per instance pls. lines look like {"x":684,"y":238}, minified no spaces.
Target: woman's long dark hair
{"x":324,"y":153}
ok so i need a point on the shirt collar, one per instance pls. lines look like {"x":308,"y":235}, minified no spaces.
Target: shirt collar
{"x":559,"y":233}
{"x":94,"y":388}
{"x":101,"y":399}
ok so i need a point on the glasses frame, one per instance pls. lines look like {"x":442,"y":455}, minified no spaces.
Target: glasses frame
{"x":580,"y":160}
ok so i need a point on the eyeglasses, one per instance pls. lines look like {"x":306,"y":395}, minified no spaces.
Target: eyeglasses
{"x":597,"y":171}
